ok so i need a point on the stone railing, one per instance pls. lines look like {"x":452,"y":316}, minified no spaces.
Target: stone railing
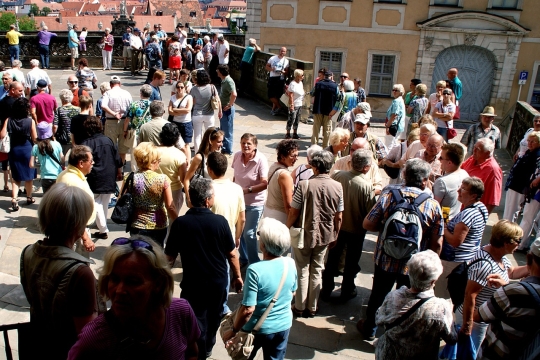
{"x":522,"y":120}
{"x":60,"y":53}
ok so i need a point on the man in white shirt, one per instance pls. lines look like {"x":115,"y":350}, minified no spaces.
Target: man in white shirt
{"x":223,"y":50}
{"x":135,"y":43}
{"x":34,"y":76}
{"x":278,"y":66}
{"x":115,"y":104}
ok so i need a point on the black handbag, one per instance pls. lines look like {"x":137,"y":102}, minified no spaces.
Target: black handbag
{"x":123,"y":211}
{"x":392,"y":172}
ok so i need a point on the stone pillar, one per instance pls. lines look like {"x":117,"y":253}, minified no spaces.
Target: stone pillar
{"x":253,"y":14}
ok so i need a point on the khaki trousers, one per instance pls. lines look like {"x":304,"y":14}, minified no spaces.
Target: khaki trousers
{"x":309,"y":266}
{"x":326,"y":122}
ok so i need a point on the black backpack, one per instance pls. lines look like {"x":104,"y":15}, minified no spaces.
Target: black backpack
{"x":402,"y":232}
{"x":457,"y":281}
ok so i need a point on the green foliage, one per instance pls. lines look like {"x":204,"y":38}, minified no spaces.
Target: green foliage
{"x":45,"y":11}
{"x":34,"y":9}
{"x":6,"y":19}
{"x":25,"y":23}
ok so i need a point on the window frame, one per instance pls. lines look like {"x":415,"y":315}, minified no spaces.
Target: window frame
{"x":371,"y":53}
{"x":319,"y":50}
{"x":518,"y":6}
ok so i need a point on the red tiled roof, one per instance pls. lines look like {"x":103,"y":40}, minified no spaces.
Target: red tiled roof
{"x":182,"y":10}
{"x":91,"y":22}
{"x":76,"y":6}
{"x":210,"y":12}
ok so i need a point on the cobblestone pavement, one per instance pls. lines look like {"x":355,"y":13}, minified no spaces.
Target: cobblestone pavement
{"x":331,"y":335}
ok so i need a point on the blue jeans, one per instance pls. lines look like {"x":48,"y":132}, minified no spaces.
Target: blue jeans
{"x":293,"y":118}
{"x":44,"y":55}
{"x":274,"y":345}
{"x":443,"y":132}
{"x":226,"y":308}
{"x":13,"y":53}
{"x":226,"y":125}
{"x":249,"y":251}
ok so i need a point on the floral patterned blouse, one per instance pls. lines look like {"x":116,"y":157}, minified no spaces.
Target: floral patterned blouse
{"x":148,"y":196}
{"x":138,"y":114}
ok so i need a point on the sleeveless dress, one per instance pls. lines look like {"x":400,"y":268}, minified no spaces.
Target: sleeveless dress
{"x":21,"y":149}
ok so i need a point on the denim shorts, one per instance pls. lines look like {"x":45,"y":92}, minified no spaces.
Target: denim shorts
{"x":186,"y":131}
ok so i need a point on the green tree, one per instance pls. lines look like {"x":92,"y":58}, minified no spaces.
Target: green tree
{"x":27,"y":24}
{"x":6,"y":19}
{"x":45,"y":11}
{"x":34,"y":9}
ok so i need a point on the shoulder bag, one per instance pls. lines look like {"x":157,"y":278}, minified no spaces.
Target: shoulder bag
{"x":297,"y":234}
{"x":215,"y":99}
{"x":52,"y":156}
{"x":123,"y":211}
{"x":392,"y":172}
{"x":5,"y":142}
{"x":408,"y":314}
{"x":241,"y":345}
{"x":171,"y":117}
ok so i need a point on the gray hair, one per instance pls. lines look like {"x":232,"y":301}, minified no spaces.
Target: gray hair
{"x":105,"y":86}
{"x":72,"y":205}
{"x":34,"y":62}
{"x":312,"y":150}
{"x":17,"y":63}
{"x":535,"y":134}
{"x":199,"y":190}
{"x":275,"y":236}
{"x":425,"y":267}
{"x":8,"y":74}
{"x":66,"y":96}
{"x":146,"y":91}
{"x":400,"y":88}
{"x":322,"y":161}
{"x":157,"y":108}
{"x":432,"y":129}
{"x":415,"y":172}
{"x":487,"y":144}
{"x":298,"y":73}
{"x":159,"y":268}
{"x":361,"y":158}
{"x":476,"y":186}
{"x":337,"y":135}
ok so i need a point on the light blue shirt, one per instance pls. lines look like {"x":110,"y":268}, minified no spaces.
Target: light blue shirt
{"x":49,"y":168}
{"x":3,"y":92}
{"x":398,"y":108}
{"x":72,"y":35}
{"x":262,"y":281}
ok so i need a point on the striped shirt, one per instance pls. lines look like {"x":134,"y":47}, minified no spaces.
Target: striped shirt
{"x":475,"y":218}
{"x":381,"y":211}
{"x":510,"y":312}
{"x":98,"y":340}
{"x":479,"y":272}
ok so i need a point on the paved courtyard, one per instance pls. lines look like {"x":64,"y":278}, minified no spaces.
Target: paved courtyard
{"x":331,"y":335}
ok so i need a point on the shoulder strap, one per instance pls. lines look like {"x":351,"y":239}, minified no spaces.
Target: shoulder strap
{"x":52,"y":156}
{"x":129,"y":183}
{"x":274,"y":299}
{"x":180,"y":103}
{"x":405,"y":316}
{"x":396,"y":194}
{"x":200,"y":170}
{"x":421,"y":198}
{"x":477,"y":261}
{"x":532,"y":291}
{"x":80,"y":91}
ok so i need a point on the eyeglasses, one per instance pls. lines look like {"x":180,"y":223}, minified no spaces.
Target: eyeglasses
{"x":395,"y":89}
{"x":180,"y":87}
{"x":73,"y":82}
{"x":515,"y":241}
{"x":135,"y":244}
{"x":447,"y":94}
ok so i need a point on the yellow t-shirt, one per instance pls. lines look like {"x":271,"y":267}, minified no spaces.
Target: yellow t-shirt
{"x":13,"y":37}
{"x":74,"y":177}
{"x":172,"y":160}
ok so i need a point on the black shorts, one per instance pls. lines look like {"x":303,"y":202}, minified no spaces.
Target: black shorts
{"x":275,"y":87}
{"x":5,"y":165}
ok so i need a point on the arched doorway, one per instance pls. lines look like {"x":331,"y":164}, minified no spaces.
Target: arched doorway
{"x":476,"y":67}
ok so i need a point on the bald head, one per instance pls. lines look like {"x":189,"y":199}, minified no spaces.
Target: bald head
{"x":16,"y":89}
{"x":434,"y":144}
{"x":452,"y":73}
{"x":359,"y":143}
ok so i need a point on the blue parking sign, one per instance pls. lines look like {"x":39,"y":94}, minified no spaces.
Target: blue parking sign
{"x":523,"y":75}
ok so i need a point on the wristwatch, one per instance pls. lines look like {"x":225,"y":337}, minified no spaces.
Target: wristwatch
{"x":250,"y":189}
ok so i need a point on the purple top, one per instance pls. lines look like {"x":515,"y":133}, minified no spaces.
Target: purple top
{"x":98,"y":341}
{"x":45,"y":37}
{"x":250,"y":175}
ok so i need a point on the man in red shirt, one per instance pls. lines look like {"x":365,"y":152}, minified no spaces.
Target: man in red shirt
{"x":482,"y":164}
{"x":42,"y":105}
{"x":73,"y":84}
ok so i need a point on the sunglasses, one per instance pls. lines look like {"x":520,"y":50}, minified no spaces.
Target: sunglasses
{"x":135,"y":244}
{"x":180,"y":87}
{"x":216,"y":129}
{"x":342,"y":76}
{"x":395,"y":90}
{"x":516,"y":241}
{"x":73,"y":82}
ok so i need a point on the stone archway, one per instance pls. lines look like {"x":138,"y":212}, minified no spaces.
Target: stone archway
{"x":497,"y":35}
{"x":476,"y":67}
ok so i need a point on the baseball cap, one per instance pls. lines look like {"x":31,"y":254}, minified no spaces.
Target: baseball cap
{"x":42,"y":84}
{"x":115,"y":77}
{"x":535,"y":247}
{"x":366,"y":108}
{"x":44,"y":130}
{"x":136,"y":30}
{"x":328,"y":73}
{"x":362,"y":118}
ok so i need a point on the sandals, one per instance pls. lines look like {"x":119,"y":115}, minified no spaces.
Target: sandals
{"x":296,"y":312}
{"x":14,"y":204}
{"x":6,"y":188}
{"x":30,"y":200}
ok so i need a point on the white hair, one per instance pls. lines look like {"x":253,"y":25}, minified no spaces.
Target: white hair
{"x":105,"y":86}
{"x":34,"y":62}
{"x":312,"y":150}
{"x":17,"y":63}
{"x":487,"y":145}
{"x":275,"y":236}
{"x":429,"y":127}
{"x":400,"y":88}
{"x":425,"y":267}
{"x":66,"y":96}
{"x":337,"y":135}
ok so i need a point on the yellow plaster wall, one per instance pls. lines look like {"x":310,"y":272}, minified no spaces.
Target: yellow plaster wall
{"x":386,"y":17}
{"x":337,"y":14}
{"x":281,"y":12}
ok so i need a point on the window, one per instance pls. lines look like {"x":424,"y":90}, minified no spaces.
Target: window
{"x":382,"y":74}
{"x":535,"y":98}
{"x":504,"y":4}
{"x":446,"y":2}
{"x":331,"y":60}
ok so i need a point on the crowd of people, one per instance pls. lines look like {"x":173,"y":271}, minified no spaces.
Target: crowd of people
{"x":430,"y":219}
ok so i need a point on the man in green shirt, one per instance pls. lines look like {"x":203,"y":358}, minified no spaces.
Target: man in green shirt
{"x":227,"y":97}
